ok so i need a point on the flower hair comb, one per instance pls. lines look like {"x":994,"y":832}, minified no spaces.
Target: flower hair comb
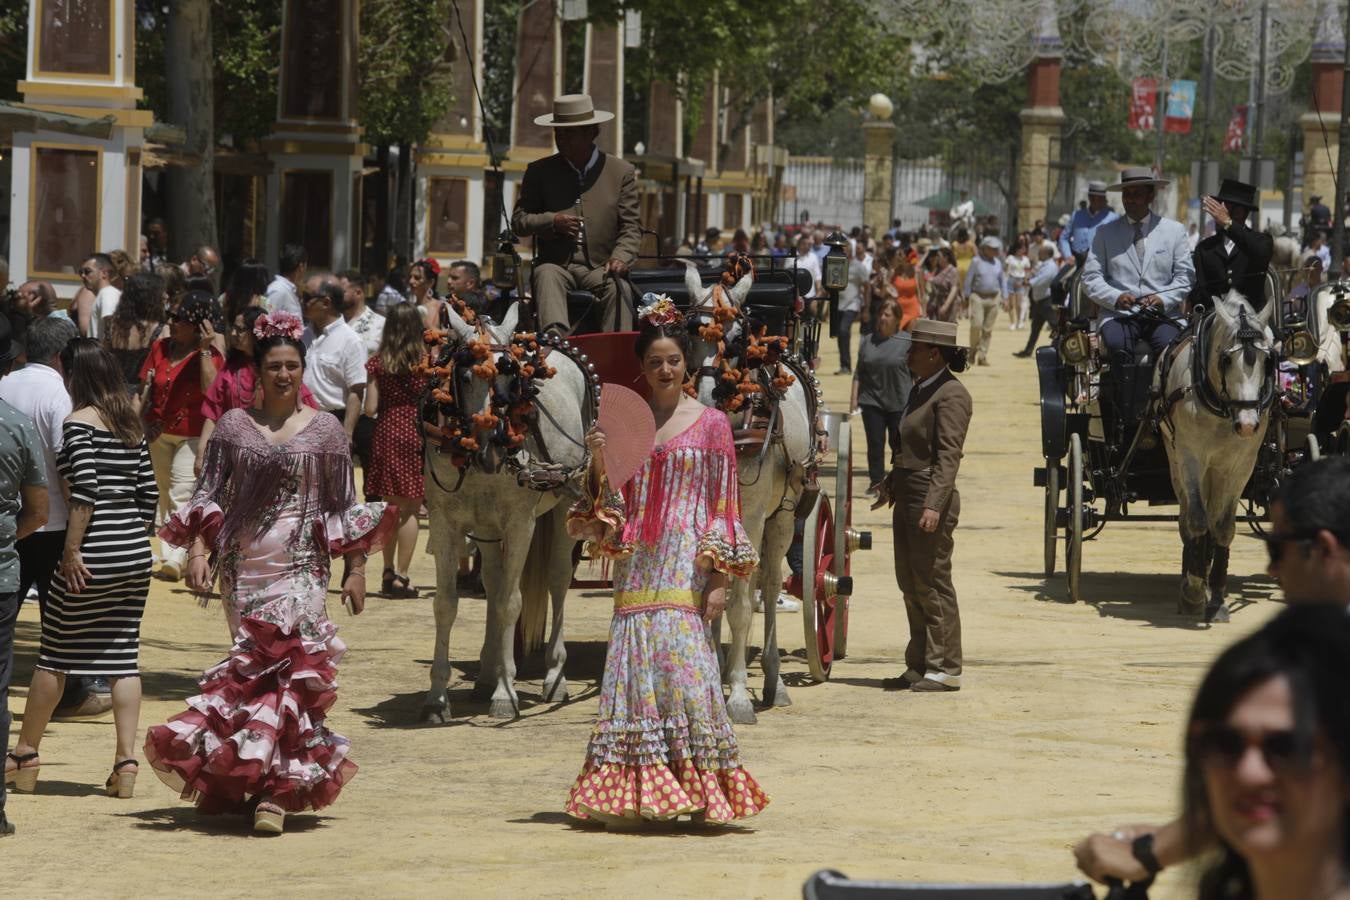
{"x":278,"y":324}
{"x":660,"y":310}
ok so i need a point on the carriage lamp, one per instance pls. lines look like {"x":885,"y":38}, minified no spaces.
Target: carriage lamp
{"x":1075,"y":348}
{"x":1299,"y":346}
{"x":506,"y":262}
{"x":1338,"y":314}
{"x":835,"y":276}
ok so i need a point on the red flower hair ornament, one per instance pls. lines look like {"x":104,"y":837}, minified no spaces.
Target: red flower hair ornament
{"x":278,"y":324}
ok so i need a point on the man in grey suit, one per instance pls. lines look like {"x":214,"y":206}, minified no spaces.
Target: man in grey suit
{"x":1139,"y":261}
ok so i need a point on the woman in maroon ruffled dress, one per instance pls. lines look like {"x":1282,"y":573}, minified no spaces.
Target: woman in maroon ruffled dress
{"x":275,"y":503}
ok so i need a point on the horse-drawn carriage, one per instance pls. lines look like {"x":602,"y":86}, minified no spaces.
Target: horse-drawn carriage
{"x":1318,"y":377}
{"x":1118,"y":434}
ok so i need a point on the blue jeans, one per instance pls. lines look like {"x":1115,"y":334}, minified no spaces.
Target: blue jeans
{"x":9,"y":614}
{"x":1120,"y":335}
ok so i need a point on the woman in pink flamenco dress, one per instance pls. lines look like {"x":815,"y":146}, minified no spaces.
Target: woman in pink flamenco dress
{"x":663,"y":745}
{"x":275,"y":503}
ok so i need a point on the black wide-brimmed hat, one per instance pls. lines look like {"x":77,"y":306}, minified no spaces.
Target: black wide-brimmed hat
{"x":1234,"y":191}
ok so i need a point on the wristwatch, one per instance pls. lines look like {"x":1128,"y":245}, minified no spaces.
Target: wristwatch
{"x":1142,"y":849}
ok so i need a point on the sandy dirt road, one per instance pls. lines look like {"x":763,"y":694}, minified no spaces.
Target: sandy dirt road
{"x":1069,"y":720}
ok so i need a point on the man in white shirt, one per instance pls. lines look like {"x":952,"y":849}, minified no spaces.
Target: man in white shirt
{"x":366,"y":322}
{"x":282,"y":293}
{"x":963,"y":213}
{"x":335,"y":357}
{"x":38,"y":391}
{"x":807,"y":259}
{"x":96,"y":273}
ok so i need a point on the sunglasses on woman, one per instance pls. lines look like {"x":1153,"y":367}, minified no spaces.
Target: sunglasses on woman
{"x":1284,"y":750}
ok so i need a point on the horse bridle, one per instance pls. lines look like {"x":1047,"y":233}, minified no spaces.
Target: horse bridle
{"x":1248,"y":343}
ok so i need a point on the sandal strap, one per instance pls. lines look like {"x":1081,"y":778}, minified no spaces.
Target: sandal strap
{"x":124,"y":763}
{"x":20,"y":760}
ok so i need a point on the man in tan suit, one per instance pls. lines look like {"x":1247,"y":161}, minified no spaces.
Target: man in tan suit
{"x":581,"y":207}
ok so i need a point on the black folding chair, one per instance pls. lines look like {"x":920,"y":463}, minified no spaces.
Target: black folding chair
{"x":828,"y":884}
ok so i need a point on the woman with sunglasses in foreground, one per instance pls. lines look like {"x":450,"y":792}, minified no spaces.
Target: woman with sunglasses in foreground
{"x":1268,"y":762}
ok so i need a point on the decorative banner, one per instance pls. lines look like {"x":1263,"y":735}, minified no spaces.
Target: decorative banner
{"x":1180,"y":107}
{"x":1237,"y":128}
{"x":1143,"y":100}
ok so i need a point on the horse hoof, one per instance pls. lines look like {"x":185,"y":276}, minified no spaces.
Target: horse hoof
{"x":741,"y":712}
{"x":781,"y":698}
{"x":503,"y":709}
{"x":556,"y":692}
{"x":1218,"y":614}
{"x":433,"y":714}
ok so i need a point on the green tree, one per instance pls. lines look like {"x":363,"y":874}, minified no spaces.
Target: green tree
{"x":405,"y":72}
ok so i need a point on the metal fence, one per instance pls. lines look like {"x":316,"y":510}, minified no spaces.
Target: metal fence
{"x":820,"y":189}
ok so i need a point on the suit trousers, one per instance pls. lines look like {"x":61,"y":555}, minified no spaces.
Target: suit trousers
{"x":551,"y":282}
{"x":923,"y":568}
{"x":983,"y":314}
{"x":1119,"y":335}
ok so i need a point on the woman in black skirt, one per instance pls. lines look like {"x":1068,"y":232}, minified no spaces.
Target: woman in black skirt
{"x":92,"y":622}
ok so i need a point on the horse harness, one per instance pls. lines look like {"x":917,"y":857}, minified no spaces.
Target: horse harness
{"x":1220,"y":403}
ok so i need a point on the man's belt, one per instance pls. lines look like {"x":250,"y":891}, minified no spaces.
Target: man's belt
{"x":987,"y":294}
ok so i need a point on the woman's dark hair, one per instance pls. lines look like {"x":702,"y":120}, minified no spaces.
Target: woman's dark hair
{"x":1307,"y":645}
{"x":962,"y":235}
{"x":95,"y":380}
{"x":949,"y":255}
{"x":394,"y":280}
{"x":428,"y":273}
{"x":956,"y":358}
{"x":649,"y":334}
{"x":142,"y":301}
{"x":198,"y":307}
{"x":248,"y":281}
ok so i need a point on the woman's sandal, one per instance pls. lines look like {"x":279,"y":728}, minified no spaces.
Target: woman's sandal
{"x":401,"y":588}
{"x":122,"y":784}
{"x":24,"y":778}
{"x":387,"y":582}
{"x":268,"y":818}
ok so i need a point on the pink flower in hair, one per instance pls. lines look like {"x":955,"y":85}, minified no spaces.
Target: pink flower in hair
{"x":278,"y":324}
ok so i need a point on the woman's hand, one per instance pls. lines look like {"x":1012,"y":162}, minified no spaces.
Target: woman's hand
{"x":198,"y":575}
{"x":714,"y":602}
{"x":206,"y":335}
{"x":928,"y":520}
{"x":354,"y":591}
{"x":74,"y":571}
{"x":595,"y":442}
{"x":885,"y":496}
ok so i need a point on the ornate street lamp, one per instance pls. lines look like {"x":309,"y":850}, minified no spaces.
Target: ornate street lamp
{"x":834,"y":278}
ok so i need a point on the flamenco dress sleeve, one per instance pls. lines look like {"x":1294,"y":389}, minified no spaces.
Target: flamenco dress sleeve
{"x":599,"y":518}
{"x":349,"y":526}
{"x":722,"y":542}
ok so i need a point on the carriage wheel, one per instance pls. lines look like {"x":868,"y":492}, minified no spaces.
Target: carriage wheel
{"x":819,"y":588}
{"x":1343,"y":440}
{"x":1073,"y":534}
{"x":1314,"y":448}
{"x":843,"y":498}
{"x":1051,"y":511}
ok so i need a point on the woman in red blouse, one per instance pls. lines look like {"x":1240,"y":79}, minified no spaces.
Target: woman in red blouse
{"x":176,"y":375}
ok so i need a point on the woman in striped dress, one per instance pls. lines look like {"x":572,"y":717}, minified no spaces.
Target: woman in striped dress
{"x":92,"y":623}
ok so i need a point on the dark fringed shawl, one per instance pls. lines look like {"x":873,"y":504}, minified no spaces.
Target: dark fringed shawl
{"x":246,"y":476}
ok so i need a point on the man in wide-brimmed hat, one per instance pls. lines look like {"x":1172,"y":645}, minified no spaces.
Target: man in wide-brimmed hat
{"x":1076,"y":238}
{"x":1136,"y":262}
{"x":986,"y":289}
{"x":581,"y":207}
{"x":1235,"y":256}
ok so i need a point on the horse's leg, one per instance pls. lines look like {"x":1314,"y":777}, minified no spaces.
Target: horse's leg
{"x":505,"y":602}
{"x":1194,"y":528}
{"x":1223,"y":529}
{"x":777,"y":538}
{"x":436,"y":706}
{"x":490,"y":566}
{"x":739,"y":615}
{"x":560,"y":579}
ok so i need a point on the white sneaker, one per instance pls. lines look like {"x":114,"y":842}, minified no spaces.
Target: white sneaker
{"x":32,"y":593}
{"x":788,"y":603}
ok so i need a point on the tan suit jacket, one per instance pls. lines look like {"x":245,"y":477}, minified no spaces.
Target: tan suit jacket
{"x":933,"y":433}
{"x":608,"y":204}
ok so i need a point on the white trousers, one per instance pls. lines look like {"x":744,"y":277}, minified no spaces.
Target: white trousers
{"x":173,"y":456}
{"x":983,"y":313}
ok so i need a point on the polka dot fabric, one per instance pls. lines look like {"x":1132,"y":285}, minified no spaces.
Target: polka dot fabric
{"x":656,"y":792}
{"x":395,"y":465}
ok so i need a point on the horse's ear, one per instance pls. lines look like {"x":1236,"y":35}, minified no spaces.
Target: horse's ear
{"x":1266,"y":313}
{"x":511,"y":320}
{"x":740,"y":290}
{"x":461,"y":328}
{"x":693,"y":283}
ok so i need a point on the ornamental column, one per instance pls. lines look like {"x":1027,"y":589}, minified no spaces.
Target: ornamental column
{"x":77,"y":191}
{"x":1321,"y":124}
{"x":1042,"y":120}
{"x":878,"y":164}
{"x":315,"y":145}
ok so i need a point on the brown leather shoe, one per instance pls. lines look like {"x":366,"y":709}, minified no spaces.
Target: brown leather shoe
{"x":929,"y":686}
{"x":92,"y":706}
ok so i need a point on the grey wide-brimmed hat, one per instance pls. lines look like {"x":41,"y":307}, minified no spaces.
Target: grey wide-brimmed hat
{"x":1096,"y":187}
{"x":571,"y":110}
{"x":992,"y":243}
{"x":1142,"y":175}
{"x":933,"y":331}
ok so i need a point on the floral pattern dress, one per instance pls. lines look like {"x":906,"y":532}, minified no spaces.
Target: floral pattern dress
{"x":663,"y":745}
{"x":273,"y":518}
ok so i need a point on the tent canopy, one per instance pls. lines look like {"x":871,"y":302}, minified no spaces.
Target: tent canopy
{"x":947,"y":199}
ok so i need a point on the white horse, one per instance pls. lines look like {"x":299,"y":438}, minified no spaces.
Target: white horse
{"x":1215,"y":409}
{"x":771,"y":485}
{"x":520,"y":531}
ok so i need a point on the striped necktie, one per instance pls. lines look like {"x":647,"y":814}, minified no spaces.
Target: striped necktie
{"x":1139,"y":239}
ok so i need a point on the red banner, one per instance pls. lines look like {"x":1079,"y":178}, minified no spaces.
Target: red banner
{"x":1143,"y":102}
{"x":1237,"y":130}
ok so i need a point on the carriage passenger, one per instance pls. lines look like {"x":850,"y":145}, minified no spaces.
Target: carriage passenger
{"x":1236,"y":256}
{"x":581,"y":207}
{"x":922,"y":488}
{"x":1140,"y":261}
{"x":663,"y":745}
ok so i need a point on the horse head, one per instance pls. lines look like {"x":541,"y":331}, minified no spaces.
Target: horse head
{"x":702,"y":306}
{"x":1240,"y":361}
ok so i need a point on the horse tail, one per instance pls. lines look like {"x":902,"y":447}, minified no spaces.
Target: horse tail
{"x":534,"y":593}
